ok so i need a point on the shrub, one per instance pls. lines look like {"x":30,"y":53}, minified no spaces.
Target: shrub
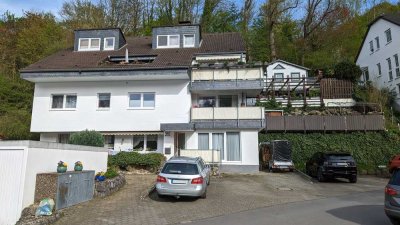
{"x":269,"y":104}
{"x":347,"y":70}
{"x":111,"y":173}
{"x":368,"y":149}
{"x":150,"y":161}
{"x":88,"y":138}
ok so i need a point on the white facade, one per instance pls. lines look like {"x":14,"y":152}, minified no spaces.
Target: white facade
{"x":280,"y":68}
{"x":172,"y":105}
{"x":20,"y":161}
{"x":372,"y":56}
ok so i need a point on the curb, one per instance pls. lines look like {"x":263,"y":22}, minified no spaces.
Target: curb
{"x":304,"y":176}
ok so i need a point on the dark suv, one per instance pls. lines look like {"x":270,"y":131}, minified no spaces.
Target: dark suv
{"x":332,"y":165}
{"x":392,"y":198}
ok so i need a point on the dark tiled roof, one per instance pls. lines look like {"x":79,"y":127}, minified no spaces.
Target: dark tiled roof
{"x":68,"y":60}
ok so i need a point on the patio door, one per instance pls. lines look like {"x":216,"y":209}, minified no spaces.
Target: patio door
{"x":218,"y":143}
{"x":233,"y":152}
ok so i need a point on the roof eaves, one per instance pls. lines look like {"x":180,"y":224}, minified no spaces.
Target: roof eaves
{"x":105,"y":69}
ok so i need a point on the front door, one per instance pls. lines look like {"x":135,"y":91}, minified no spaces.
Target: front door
{"x":179,"y":142}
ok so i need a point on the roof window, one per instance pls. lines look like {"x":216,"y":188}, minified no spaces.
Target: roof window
{"x":89,"y":44}
{"x":109,"y":43}
{"x":168,"y":41}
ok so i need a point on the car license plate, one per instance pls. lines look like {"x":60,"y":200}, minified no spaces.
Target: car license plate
{"x":341,"y":164}
{"x":179,"y":181}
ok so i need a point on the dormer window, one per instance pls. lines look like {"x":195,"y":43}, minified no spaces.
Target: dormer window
{"x":109,"y":43}
{"x":168,"y":41}
{"x":89,"y":44}
{"x":188,"y":40}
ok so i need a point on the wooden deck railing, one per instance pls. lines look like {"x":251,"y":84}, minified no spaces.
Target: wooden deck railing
{"x":325,"y":123}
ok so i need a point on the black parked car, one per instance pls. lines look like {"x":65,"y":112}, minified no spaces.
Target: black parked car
{"x":332,"y":165}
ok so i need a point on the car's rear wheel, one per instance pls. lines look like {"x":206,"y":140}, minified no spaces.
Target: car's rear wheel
{"x":204,"y":195}
{"x":353,"y":179}
{"x":320,"y":176}
{"x":160,"y":196}
{"x":394,"y":221}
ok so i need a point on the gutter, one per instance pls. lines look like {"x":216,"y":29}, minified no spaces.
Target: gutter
{"x":104,"y":69}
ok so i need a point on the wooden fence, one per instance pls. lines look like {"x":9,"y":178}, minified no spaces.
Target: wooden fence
{"x":334,"y":89}
{"x":325,"y":123}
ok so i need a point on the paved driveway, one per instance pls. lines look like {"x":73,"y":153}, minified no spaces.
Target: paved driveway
{"x":226,"y":195}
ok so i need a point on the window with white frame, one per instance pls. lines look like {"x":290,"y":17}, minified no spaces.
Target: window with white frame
{"x":168,"y":41}
{"x":63,"y":101}
{"x":371,"y":46}
{"x":227,"y":143}
{"x":109,"y":43}
{"x":377,"y":43}
{"x":389,"y":61}
{"x":89,"y":44}
{"x":396,"y":63}
{"x":388,"y":34}
{"x":379,"y":69}
{"x":188,"y":40}
{"x":104,"y":100}
{"x":142,"y":100}
{"x":145,"y":142}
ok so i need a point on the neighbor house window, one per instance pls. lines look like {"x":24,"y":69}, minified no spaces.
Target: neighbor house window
{"x":388,"y":34}
{"x":109,"y":43}
{"x":396,"y":63}
{"x":188,"y":40}
{"x":227,"y":100}
{"x":278,"y":77}
{"x":295,"y":77}
{"x":377,"y":43}
{"x":207,"y":101}
{"x":389,"y":61}
{"x":104,"y":100}
{"x":63,"y":101}
{"x":109,"y":141}
{"x":145,"y":142}
{"x":168,"y":41}
{"x":142,"y":100}
{"x":89,"y":44}
{"x":379,"y":69}
{"x":371,"y":46}
{"x":203,"y":141}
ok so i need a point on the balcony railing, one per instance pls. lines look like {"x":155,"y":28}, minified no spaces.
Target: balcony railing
{"x":228,"y":113}
{"x":227,"y":74}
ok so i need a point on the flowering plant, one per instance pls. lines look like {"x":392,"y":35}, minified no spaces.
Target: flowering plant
{"x":62,"y":164}
{"x":78,"y":163}
{"x":100,"y":173}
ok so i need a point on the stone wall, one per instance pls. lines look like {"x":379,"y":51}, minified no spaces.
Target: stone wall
{"x":109,"y":186}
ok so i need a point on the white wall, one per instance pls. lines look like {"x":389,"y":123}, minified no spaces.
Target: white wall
{"x":172,"y":105}
{"x":286,"y":72}
{"x":387,"y":50}
{"x":248,"y":144}
{"x":20,"y":161}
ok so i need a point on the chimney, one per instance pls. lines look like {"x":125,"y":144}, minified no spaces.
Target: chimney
{"x":126,"y":56}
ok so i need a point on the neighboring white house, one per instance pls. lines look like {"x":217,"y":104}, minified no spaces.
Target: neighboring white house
{"x":379,"y":52}
{"x":177,"y":92}
{"x":281,"y":70}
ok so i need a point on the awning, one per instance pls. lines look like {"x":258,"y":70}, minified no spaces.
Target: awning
{"x":133,"y":133}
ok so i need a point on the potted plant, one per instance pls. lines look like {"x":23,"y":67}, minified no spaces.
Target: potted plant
{"x":78,"y":166}
{"x":61,"y":167}
{"x":100,"y":176}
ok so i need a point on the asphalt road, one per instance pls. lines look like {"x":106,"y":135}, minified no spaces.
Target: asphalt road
{"x":362,"y":208}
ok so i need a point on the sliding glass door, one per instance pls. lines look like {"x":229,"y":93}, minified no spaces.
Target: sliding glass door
{"x":233,"y":146}
{"x":218,"y":143}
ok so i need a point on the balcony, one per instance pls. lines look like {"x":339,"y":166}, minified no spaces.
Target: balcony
{"x":203,"y":79}
{"x":228,"y":117}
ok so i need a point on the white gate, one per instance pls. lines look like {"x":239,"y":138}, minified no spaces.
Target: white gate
{"x":11,"y":175}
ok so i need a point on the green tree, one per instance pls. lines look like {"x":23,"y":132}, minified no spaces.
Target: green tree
{"x":347,"y":70}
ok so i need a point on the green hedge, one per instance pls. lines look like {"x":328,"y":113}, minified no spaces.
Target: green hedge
{"x":369,"y":149}
{"x":88,"y":138}
{"x":151,"y":161}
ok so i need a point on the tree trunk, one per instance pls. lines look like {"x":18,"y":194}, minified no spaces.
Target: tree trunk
{"x":272,"y":43}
